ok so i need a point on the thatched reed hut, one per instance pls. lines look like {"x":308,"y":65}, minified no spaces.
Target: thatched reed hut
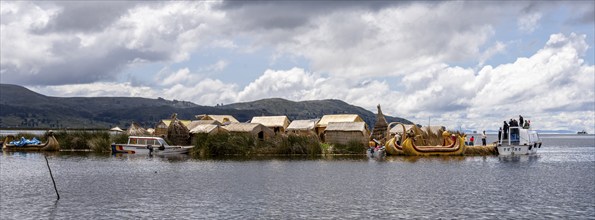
{"x":177,"y":132}
{"x":325,"y":120}
{"x":303,"y":127}
{"x":257,"y":130}
{"x":136,"y":130}
{"x":380,"y":127}
{"x":208,"y":129}
{"x":223,"y":119}
{"x":163,"y":125}
{"x":345,"y":132}
{"x":277,"y":123}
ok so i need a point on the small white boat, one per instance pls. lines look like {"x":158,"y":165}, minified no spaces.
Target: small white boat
{"x":520,"y":141}
{"x":376,"y":152}
{"x":149,"y":145}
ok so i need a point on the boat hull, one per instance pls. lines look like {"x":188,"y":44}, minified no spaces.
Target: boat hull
{"x":152,"y":150}
{"x":51,"y":145}
{"x":505,"y":150}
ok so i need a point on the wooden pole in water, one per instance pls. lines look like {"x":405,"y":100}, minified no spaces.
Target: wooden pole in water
{"x":48,"y":163}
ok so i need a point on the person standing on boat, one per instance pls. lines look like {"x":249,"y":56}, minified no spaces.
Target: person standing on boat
{"x":483,"y":138}
{"x":500,"y":133}
{"x":505,"y":131}
{"x":521,"y":121}
{"x":471,"y":141}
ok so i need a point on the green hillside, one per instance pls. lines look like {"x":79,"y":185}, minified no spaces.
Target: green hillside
{"x":23,"y":108}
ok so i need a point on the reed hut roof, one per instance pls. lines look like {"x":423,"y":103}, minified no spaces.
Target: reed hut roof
{"x":117,"y":129}
{"x":220,"y":118}
{"x":399,"y":129}
{"x":271,"y":121}
{"x":347,"y":126}
{"x":136,"y":130}
{"x":325,"y":120}
{"x":195,"y":123}
{"x":248,"y":128}
{"x":301,"y":125}
{"x":168,"y":122}
{"x":204,"y":128}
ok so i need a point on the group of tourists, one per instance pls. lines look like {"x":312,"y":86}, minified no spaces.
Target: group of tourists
{"x":483,"y":139}
{"x":512,"y":123}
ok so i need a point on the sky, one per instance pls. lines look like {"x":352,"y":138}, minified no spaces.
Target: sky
{"x":467,"y":65}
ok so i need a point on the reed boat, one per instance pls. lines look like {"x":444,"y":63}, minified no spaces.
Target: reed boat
{"x":50,"y":145}
{"x":148,"y":145}
{"x":519,"y":141}
{"x":456,"y":148}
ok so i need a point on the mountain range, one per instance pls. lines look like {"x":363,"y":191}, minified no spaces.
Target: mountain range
{"x":22,"y":108}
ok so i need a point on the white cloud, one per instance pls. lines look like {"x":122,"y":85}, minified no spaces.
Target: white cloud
{"x":402,"y":56}
{"x":181,"y":76}
{"x":153,"y":32}
{"x":498,"y":47}
{"x":293,"y":84}
{"x":529,"y":22}
{"x":392,"y":41}
{"x":98,"y":89}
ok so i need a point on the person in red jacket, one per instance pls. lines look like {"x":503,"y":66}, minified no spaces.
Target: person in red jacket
{"x":472,"y":141}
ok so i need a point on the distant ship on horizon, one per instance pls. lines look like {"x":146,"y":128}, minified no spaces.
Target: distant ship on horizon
{"x":582,"y":132}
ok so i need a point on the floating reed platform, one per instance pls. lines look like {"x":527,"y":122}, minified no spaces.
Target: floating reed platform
{"x":481,"y":150}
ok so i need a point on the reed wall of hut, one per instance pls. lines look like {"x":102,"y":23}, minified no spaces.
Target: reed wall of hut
{"x":161,"y":129}
{"x":344,"y":132}
{"x":302,"y":127}
{"x":257,"y":130}
{"x":209,"y":129}
{"x":325,"y":120}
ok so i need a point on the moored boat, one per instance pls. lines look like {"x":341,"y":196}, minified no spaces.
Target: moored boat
{"x":456,"y":147}
{"x":148,"y":145}
{"x":50,"y":145}
{"x":519,"y":141}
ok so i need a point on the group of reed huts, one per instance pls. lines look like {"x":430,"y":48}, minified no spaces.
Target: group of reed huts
{"x":332,"y":129}
{"x":337,"y":128}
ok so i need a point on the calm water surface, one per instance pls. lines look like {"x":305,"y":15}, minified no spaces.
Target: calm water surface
{"x":557,"y":183}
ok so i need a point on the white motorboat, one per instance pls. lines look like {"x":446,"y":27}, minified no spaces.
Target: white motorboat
{"x":519,"y":141}
{"x":149,"y":145}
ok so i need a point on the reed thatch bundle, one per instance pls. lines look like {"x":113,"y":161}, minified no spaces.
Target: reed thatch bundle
{"x":481,"y":150}
{"x":380,"y":127}
{"x":420,"y":136}
{"x":431,"y":138}
{"x":177,"y":132}
{"x":136,"y":130}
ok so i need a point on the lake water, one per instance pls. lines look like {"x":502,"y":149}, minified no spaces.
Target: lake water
{"x":559,"y":183}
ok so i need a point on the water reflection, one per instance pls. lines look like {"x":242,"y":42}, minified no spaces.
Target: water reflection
{"x":558,"y":184}
{"x":518,"y":158}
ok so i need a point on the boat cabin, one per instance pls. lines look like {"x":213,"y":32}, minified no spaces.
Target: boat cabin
{"x":144,"y":141}
{"x":520,"y":136}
